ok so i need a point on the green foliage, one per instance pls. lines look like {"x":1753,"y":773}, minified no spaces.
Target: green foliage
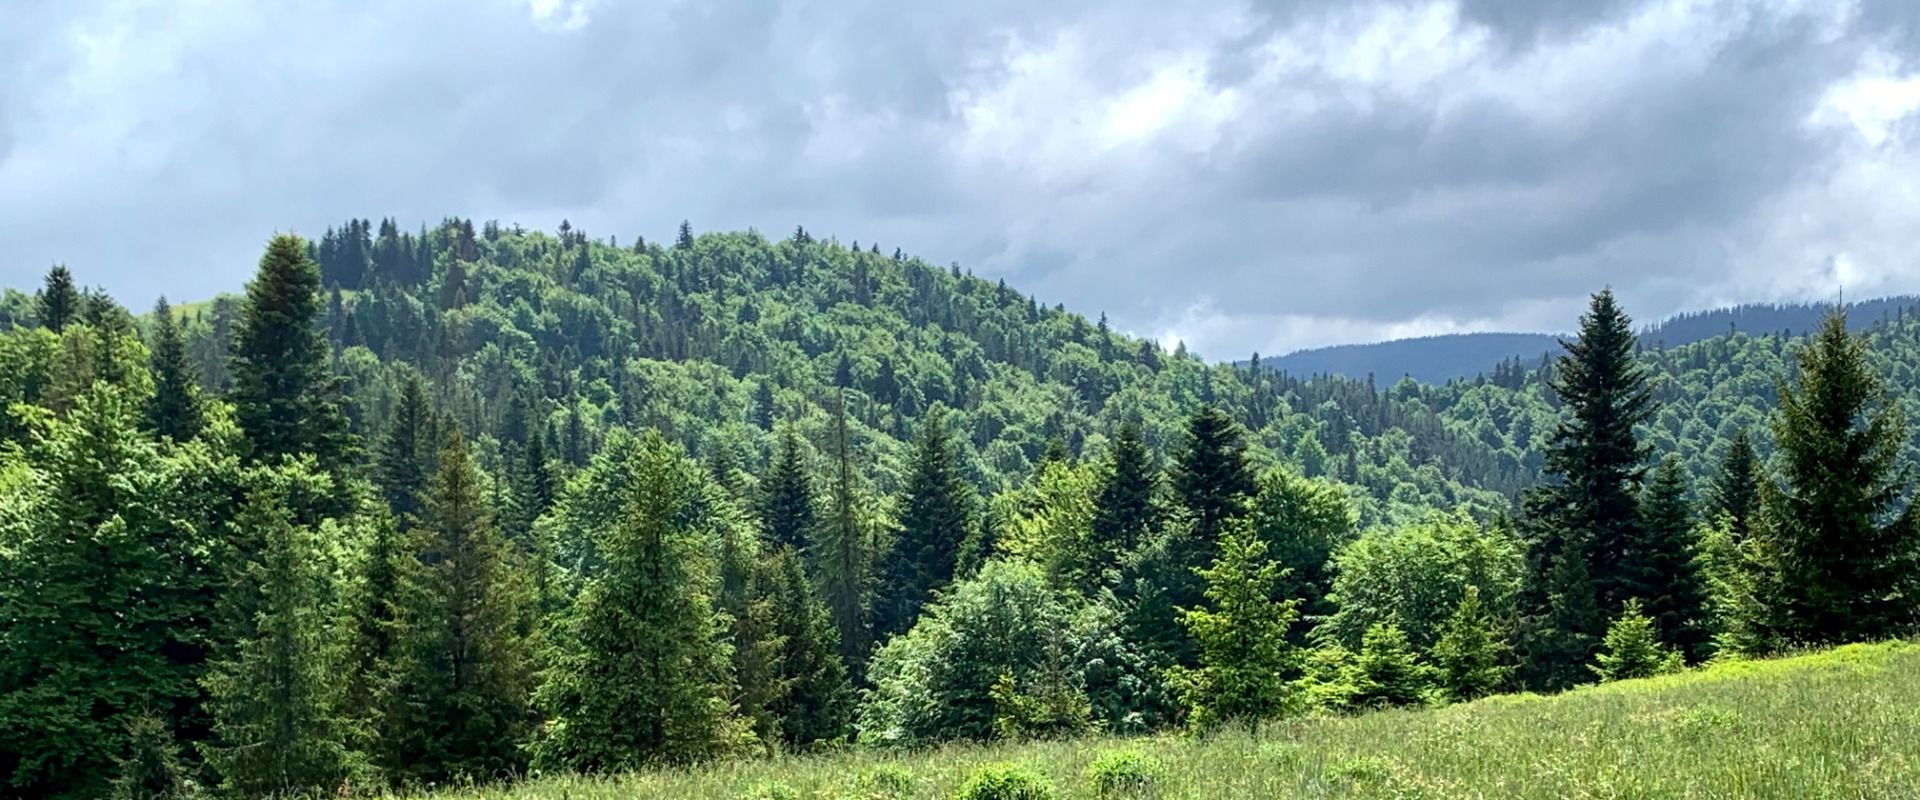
{"x":1633,"y":649}
{"x":639,"y":674}
{"x":152,"y":769}
{"x":1472,"y":659}
{"x":174,"y":411}
{"x":1668,"y":559}
{"x":105,"y":591}
{"x":59,"y":300}
{"x":405,"y":459}
{"x":1415,"y":576}
{"x":815,"y":706}
{"x":1005,"y":782}
{"x":786,"y":511}
{"x":887,"y":781}
{"x":1843,"y":535}
{"x":284,"y":394}
{"x":936,"y":682}
{"x":842,"y":552}
{"x":1244,"y":656}
{"x":455,"y":700}
{"x":1304,"y":523}
{"x":1387,"y":674}
{"x":1735,"y":491}
{"x":1126,"y":506}
{"x":936,"y":517}
{"x":277,"y":721}
{"x":1126,"y":775}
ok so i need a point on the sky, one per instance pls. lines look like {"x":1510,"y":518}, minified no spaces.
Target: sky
{"x":1240,"y":176}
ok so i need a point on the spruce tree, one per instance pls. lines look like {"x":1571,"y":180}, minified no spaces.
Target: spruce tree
{"x":639,"y":676}
{"x":173,"y":412}
{"x":1672,"y":589}
{"x":755,"y":646}
{"x":1126,"y":505}
{"x":463,"y":670}
{"x":842,"y":551}
{"x":533,"y":492}
{"x":1471,"y":658}
{"x":1736,"y":489}
{"x":404,"y":463}
{"x":1213,"y":483}
{"x":1838,"y":519}
{"x":284,"y":394}
{"x":935,"y":521}
{"x":1244,"y":655}
{"x":277,"y":721}
{"x":59,"y":300}
{"x":1386,"y":673}
{"x":786,"y":509}
{"x":1632,"y":648}
{"x":815,"y":705}
{"x":152,"y":768}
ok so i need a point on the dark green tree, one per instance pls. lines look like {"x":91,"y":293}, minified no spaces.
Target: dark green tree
{"x":1838,"y":520}
{"x":152,"y":768}
{"x":815,"y":705}
{"x":1212,"y":478}
{"x":639,"y":675}
{"x":406,"y":453}
{"x":533,"y":491}
{"x":59,"y":300}
{"x":1386,"y":672}
{"x":284,"y":394}
{"x":842,"y":551}
{"x":457,"y":702}
{"x":277,"y":706}
{"x":786,"y":507}
{"x":1735,"y":492}
{"x":935,"y":520}
{"x":1673,"y":591}
{"x":173,"y":412}
{"x":1126,"y":505}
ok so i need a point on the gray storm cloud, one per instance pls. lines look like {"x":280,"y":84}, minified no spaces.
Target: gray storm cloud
{"x":1243,"y":176}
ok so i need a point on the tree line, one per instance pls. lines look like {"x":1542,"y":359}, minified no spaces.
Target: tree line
{"x":313,"y":574}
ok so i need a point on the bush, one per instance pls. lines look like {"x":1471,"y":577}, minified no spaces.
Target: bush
{"x":886,"y":781}
{"x":1005,"y":782}
{"x":1126,"y":774}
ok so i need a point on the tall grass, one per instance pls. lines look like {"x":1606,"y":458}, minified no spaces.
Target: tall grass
{"x":1839,"y":724}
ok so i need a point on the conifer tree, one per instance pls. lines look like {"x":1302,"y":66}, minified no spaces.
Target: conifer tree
{"x":533,"y":492}
{"x":1213,"y":483}
{"x":755,"y":646}
{"x":463,"y":671}
{"x":284,"y":394}
{"x":406,"y":454}
{"x":640,"y":675}
{"x":786,"y":510}
{"x":1387,"y":674}
{"x":103,"y":598}
{"x":386,"y":581}
{"x":1672,"y":590}
{"x":1844,"y":536}
{"x":816,"y":702}
{"x":1632,"y":648}
{"x":1471,"y":658}
{"x":842,"y":551}
{"x":173,"y":412}
{"x":152,"y":768}
{"x":1126,"y":506}
{"x":277,"y":721}
{"x":59,"y":300}
{"x":1244,"y":655}
{"x":1736,"y":489}
{"x":685,"y":240}
{"x":935,"y":521}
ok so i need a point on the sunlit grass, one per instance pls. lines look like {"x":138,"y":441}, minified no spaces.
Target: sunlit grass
{"x":1839,"y":724}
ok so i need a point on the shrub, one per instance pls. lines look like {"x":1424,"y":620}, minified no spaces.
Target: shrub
{"x":886,"y":781}
{"x":1126,"y":774}
{"x":1005,"y":782}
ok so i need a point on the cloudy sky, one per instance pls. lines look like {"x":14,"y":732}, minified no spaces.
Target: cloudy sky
{"x":1241,"y":175}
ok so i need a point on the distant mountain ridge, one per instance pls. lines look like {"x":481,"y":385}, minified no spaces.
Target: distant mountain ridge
{"x":1438,"y":359}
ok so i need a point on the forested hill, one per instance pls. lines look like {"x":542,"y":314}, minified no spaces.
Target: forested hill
{"x":1438,"y":359}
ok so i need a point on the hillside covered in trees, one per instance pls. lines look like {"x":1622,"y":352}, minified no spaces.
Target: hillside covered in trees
{"x":471,"y":500}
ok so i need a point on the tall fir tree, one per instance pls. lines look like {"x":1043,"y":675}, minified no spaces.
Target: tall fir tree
{"x":1244,"y":656}
{"x":1212,"y":477}
{"x":639,"y":676}
{"x":842,"y":550}
{"x":532,"y":494}
{"x":815,"y":705}
{"x":1839,"y":521}
{"x":1673,"y":591}
{"x":285,"y":396}
{"x":1126,"y":505}
{"x":457,"y":701}
{"x":1735,"y":492}
{"x":404,"y":463}
{"x":277,"y":708}
{"x":786,"y":508}
{"x":174,"y":410}
{"x":936,"y":519}
{"x":1590,"y":510}
{"x":58,"y":302}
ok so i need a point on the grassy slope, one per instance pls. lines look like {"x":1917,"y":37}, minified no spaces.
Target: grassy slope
{"x":1839,"y":724}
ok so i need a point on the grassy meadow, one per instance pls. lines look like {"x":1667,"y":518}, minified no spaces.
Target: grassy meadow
{"x":1843,"y":723}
